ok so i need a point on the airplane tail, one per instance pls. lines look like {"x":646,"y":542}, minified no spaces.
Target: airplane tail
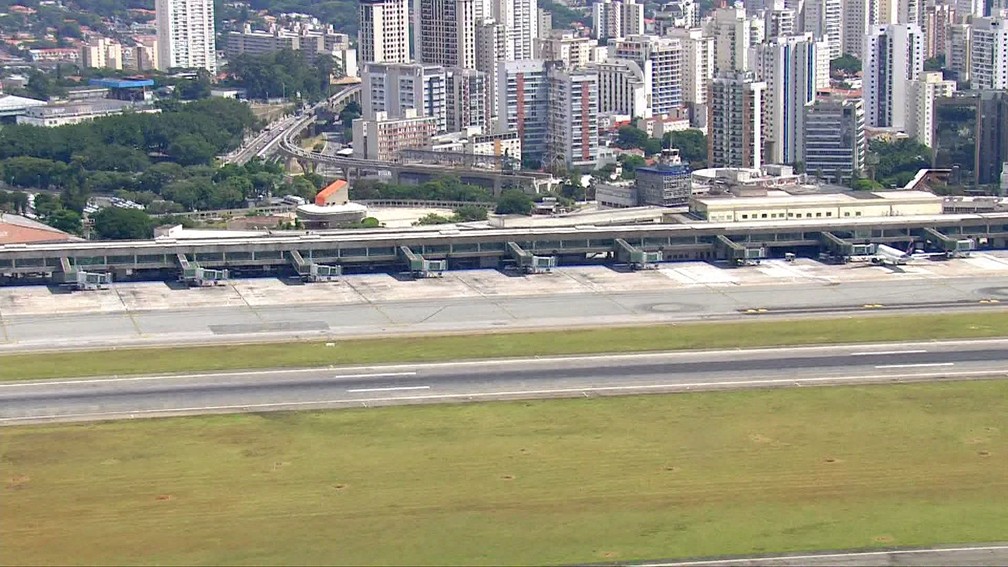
{"x":910,"y":248}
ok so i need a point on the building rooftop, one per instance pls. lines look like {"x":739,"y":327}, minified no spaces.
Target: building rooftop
{"x":774,"y":198}
{"x":15,"y":229}
{"x":11,"y":102}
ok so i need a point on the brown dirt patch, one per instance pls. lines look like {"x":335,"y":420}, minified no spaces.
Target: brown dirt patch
{"x":18,"y":481}
{"x":883,"y":539}
{"x":983,"y":453}
{"x":507,"y":477}
{"x":164,"y":497}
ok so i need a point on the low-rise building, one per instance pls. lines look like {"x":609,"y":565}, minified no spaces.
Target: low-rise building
{"x":782,"y":206}
{"x":76,"y":112}
{"x":666,"y":184}
{"x":382,"y":138}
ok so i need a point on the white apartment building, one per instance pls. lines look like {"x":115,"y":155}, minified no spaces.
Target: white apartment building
{"x":185,"y":31}
{"x":921,"y":95}
{"x":572,"y":122}
{"x":989,"y":54}
{"x":394,"y":89}
{"x":383,"y":137}
{"x":734,"y":33}
{"x":613,"y":19}
{"x":857,"y":17}
{"x":444,"y":33}
{"x":824,"y":19}
{"x":834,"y":139}
{"x":664,"y":57}
{"x":384,"y":35}
{"x":735,"y":121}
{"x":893,"y":56}
{"x":622,"y":88}
{"x":698,"y":64}
{"x":565,"y":46}
{"x":788,"y":67}
{"x":522,"y":18}
{"x":493,"y":45}
{"x":102,"y":53}
{"x":466,"y":99}
{"x":957,"y":50}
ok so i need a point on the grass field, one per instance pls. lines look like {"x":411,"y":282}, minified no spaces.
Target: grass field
{"x":560,"y":481}
{"x":752,"y":333}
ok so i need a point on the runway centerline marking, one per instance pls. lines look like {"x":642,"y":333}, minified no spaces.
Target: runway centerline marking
{"x":643,"y":388}
{"x":391,"y":389}
{"x":918,"y":365}
{"x":885,"y":352}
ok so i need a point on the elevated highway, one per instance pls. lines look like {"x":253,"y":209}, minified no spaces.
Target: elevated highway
{"x":383,"y":249}
{"x":399,"y":172}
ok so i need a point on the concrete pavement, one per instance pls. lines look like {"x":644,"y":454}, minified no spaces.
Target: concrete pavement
{"x":144,"y":396}
{"x":976,"y":555}
{"x":152,"y":314}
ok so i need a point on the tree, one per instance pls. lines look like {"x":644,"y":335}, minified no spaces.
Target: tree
{"x":470,"y":213}
{"x":936,"y":63}
{"x":114,"y":223}
{"x":862,"y":184}
{"x":190,"y":150}
{"x":514,"y":202}
{"x":847,"y":64}
{"x":691,"y":143}
{"x":65,"y":220}
{"x":629,"y":137}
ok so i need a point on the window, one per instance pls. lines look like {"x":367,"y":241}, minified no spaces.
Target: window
{"x":764,"y":215}
{"x":829,"y":214}
{"x":846,"y":213}
{"x":857,"y":214}
{"x":744,"y":217}
{"x":818,"y":215}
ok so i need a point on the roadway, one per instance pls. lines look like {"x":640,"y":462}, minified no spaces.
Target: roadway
{"x":266,"y":390}
{"x":361,"y":307}
{"x":974,"y":555}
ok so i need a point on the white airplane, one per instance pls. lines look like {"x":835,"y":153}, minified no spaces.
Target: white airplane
{"x":887,"y":255}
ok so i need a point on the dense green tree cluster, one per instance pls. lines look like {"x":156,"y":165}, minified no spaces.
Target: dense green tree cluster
{"x":189,"y":133}
{"x":899,"y":161}
{"x":442,"y":189}
{"x":282,"y":74}
{"x":845,"y":65}
{"x":122,"y":224}
{"x":514,"y":202}
{"x":563,"y":16}
{"x":13,"y":201}
{"x":159,"y":160}
{"x":692,"y":144}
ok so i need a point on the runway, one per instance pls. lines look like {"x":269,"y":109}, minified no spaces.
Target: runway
{"x":976,"y":555}
{"x":268,"y":390}
{"x":373,"y":306}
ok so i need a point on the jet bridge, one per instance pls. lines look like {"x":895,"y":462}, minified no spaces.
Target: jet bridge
{"x":312,"y":272}
{"x":843,"y":250}
{"x":197,"y":276}
{"x":421,"y":267}
{"x":530,"y":263}
{"x":739,"y":254}
{"x":81,"y":280}
{"x":952,"y":247}
{"x":636,"y":258}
